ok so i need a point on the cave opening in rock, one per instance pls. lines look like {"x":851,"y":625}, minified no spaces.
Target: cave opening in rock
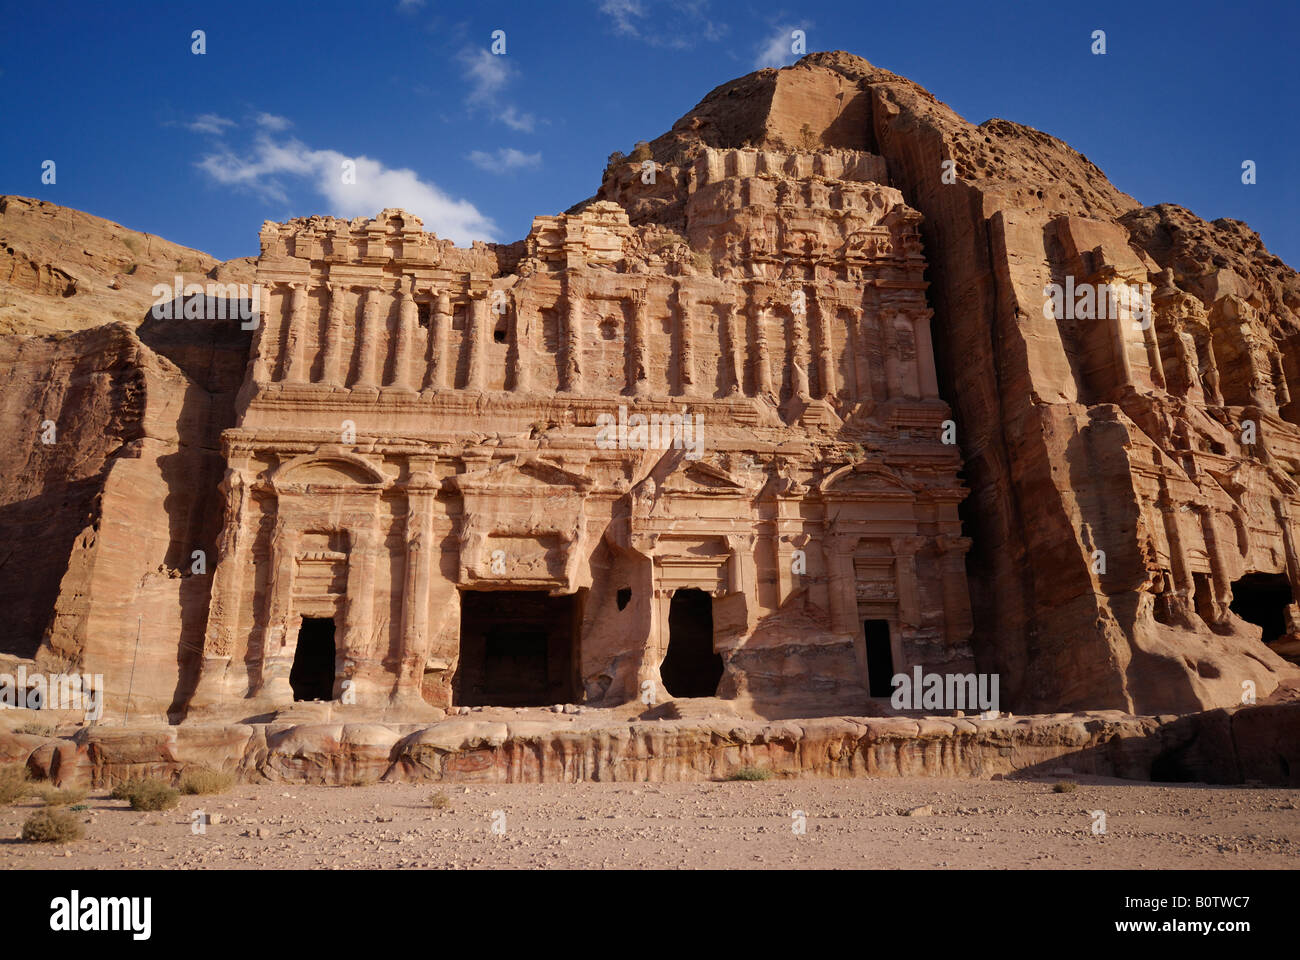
{"x":312,"y":674}
{"x":880,"y":657}
{"x":517,"y":649}
{"x":1262,"y":599}
{"x":691,"y":667}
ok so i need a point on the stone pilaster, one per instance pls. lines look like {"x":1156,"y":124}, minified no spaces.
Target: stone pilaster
{"x":369,"y":368}
{"x":331,"y":372}
{"x":408,"y":321}
{"x":295,"y":347}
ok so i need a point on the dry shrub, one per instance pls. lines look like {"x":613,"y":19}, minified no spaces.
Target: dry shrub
{"x":13,"y":783}
{"x":204,"y":780}
{"x":147,"y":795}
{"x":52,"y":825}
{"x":54,"y":797}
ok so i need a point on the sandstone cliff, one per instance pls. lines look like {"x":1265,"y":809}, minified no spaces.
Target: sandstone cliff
{"x":1121,"y":527}
{"x":112,"y":422}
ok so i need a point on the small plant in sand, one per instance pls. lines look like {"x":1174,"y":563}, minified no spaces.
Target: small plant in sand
{"x":52,"y":825}
{"x":202,"y":780}
{"x":13,"y":783}
{"x":440,"y":801}
{"x":52,"y":796}
{"x":1065,"y":786}
{"x":146,"y":795}
{"x":751,"y":773}
{"x":35,"y":728}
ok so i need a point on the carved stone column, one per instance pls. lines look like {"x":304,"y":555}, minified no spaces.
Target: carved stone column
{"x":276,"y":654}
{"x":861,"y":356}
{"x":415,"y":596}
{"x":686,"y":343}
{"x":360,"y":631}
{"x":223,"y":606}
{"x":909,"y":607}
{"x":441,"y":369}
{"x":1218,"y":572}
{"x":957,"y":620}
{"x":638,"y":377}
{"x":825,"y":358}
{"x":368,"y":366}
{"x":929,"y":379}
{"x":523,"y":320}
{"x":330,"y":372}
{"x":571,"y":361}
{"x":264,"y":338}
{"x":761,"y":361}
{"x":476,"y":326}
{"x":1184,"y":586}
{"x":799,"y":354}
{"x":408,"y":320}
{"x":295,"y":347}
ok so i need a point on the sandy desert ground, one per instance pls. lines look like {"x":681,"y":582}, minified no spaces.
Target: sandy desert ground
{"x":848,"y":824}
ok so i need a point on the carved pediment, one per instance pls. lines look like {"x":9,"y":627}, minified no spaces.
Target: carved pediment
{"x":529,"y":476}
{"x":328,"y":469}
{"x":866,"y":480}
{"x":696,"y":476}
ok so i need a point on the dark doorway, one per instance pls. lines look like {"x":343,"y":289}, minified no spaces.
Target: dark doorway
{"x":312,"y":676}
{"x":1262,"y":599}
{"x":1204,"y":598}
{"x":516,"y":649}
{"x":880,"y":657}
{"x":691,"y":668}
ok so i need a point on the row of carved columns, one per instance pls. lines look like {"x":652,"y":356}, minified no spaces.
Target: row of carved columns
{"x":744,"y":346}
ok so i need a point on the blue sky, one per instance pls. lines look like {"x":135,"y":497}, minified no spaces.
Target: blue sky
{"x":201,"y":149}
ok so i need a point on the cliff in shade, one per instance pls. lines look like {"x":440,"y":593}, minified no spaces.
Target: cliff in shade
{"x":1132,"y":486}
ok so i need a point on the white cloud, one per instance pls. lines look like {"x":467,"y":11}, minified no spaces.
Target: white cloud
{"x":776,"y":51}
{"x":682,"y":23}
{"x":623,"y":12}
{"x":504,"y":160}
{"x":523,"y":122}
{"x":487,"y":73}
{"x":210,"y":123}
{"x":264,"y":169}
{"x":269,"y":121}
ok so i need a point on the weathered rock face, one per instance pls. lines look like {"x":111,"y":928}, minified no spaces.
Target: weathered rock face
{"x":431,"y":495}
{"x":1127,"y":543}
{"x":112,"y":457}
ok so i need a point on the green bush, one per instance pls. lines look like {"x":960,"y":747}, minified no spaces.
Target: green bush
{"x":52,"y":825}
{"x":751,"y":773}
{"x":13,"y":783}
{"x":204,"y":780}
{"x":1065,"y":786}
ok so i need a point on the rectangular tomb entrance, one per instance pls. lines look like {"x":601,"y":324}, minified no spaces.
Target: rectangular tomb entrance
{"x":312,"y":675}
{"x":517,"y":649}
